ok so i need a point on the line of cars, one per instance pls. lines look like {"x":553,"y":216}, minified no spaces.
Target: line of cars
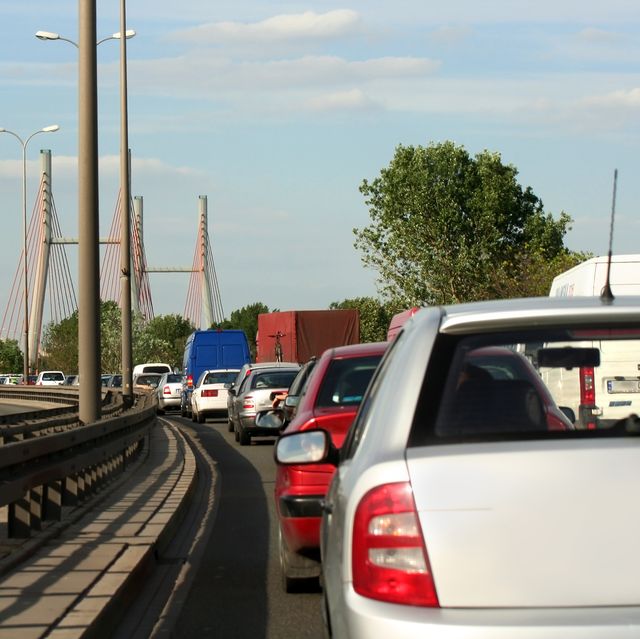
{"x":468,"y":497}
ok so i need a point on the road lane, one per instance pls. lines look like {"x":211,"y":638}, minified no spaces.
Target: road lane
{"x":236,"y":591}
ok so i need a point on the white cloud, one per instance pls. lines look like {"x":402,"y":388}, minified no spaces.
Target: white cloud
{"x":450,"y":35}
{"x":594,"y":35}
{"x":622,"y":99}
{"x":353,"y":100}
{"x":286,"y":27}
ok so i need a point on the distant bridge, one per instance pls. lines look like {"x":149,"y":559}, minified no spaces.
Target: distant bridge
{"x":49,"y":276}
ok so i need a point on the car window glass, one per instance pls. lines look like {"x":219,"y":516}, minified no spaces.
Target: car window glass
{"x":354,"y":434}
{"x":273,"y":379}
{"x":535,"y":384}
{"x":346,"y":380}
{"x":220,"y":377}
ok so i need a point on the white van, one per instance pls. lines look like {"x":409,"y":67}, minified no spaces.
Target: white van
{"x":600,"y":395}
{"x":151,"y":367}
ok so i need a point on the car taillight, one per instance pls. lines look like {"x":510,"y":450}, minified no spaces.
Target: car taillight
{"x":248,"y":402}
{"x":389,"y":559}
{"x":166,"y":390}
{"x":209,"y":392}
{"x":587,"y":392}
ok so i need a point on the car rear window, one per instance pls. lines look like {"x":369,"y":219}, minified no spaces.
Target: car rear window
{"x":532,"y":384}
{"x":174,"y":379}
{"x":220,"y":377}
{"x":346,"y":380}
{"x":273,"y":379}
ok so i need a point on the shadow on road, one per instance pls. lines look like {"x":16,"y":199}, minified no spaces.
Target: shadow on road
{"x":227,"y":597}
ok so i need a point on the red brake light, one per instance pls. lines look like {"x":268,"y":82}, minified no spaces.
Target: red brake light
{"x":166,"y":390}
{"x":587,"y":391}
{"x":209,"y":392}
{"x":190,"y":381}
{"x":248,"y":402}
{"x":390,"y":560}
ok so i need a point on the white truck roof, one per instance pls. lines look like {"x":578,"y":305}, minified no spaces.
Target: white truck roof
{"x":588,"y":278}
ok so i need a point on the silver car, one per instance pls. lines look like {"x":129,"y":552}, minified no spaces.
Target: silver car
{"x":256,"y":393}
{"x":464,"y":504}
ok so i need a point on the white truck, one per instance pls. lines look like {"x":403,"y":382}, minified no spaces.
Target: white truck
{"x":600,"y":395}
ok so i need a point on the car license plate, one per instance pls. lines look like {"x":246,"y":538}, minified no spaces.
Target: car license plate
{"x":623,"y":385}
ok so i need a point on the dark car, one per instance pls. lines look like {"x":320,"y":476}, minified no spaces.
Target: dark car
{"x":330,"y":401}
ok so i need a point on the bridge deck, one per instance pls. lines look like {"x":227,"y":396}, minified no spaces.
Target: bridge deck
{"x":75,"y":582}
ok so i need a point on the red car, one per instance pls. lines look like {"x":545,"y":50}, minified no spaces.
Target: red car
{"x":330,"y":401}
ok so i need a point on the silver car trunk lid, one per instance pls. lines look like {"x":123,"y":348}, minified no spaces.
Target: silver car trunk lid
{"x":531,"y":524}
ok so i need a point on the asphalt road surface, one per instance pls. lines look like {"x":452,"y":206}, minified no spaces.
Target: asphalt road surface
{"x":235,"y":591}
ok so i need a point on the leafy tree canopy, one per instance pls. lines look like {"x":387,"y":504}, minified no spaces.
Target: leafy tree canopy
{"x":374,"y":316}
{"x":447,"y":227}
{"x":11,"y":356}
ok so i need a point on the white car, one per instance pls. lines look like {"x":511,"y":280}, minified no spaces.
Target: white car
{"x":50,"y":378}
{"x":209,"y":396}
{"x":459,"y":508}
{"x":169,"y":391}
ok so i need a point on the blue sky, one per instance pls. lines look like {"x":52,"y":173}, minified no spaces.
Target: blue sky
{"x":278,"y":110}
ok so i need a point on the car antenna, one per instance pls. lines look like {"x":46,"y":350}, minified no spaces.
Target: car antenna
{"x":607,"y":295}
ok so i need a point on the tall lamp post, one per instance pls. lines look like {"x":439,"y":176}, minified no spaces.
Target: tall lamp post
{"x":24,"y":143}
{"x":125,"y":237}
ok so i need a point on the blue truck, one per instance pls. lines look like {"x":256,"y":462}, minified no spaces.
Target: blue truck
{"x":207,"y":350}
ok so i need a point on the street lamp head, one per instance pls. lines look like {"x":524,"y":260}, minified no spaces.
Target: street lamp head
{"x":50,"y":129}
{"x":129,"y":33}
{"x":47,"y":35}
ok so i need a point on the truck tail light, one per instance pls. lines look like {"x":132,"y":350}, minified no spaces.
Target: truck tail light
{"x":210,"y":392}
{"x":190,"y":381}
{"x":248,"y":402}
{"x":588,"y":393}
{"x":390,"y":561}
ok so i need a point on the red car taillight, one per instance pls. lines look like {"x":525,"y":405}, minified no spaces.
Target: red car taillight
{"x":209,"y":392}
{"x":389,"y":559}
{"x":166,"y":390}
{"x":248,"y":402}
{"x":588,"y":391}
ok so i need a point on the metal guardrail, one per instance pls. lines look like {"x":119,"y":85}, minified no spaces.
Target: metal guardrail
{"x":49,"y":460}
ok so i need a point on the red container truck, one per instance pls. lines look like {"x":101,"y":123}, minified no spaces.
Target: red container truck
{"x":296,"y":336}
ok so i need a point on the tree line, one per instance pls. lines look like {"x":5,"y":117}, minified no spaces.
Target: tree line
{"x":445,"y":227}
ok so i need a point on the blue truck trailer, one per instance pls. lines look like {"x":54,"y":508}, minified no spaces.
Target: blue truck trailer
{"x":207,"y":350}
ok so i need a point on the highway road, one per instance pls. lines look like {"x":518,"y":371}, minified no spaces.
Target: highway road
{"x":233,"y":589}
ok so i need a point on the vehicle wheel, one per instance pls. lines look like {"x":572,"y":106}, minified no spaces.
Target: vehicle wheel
{"x":201,"y":418}
{"x":236,"y":435}
{"x":244,"y":437}
{"x":297,"y":574}
{"x":229,"y":425}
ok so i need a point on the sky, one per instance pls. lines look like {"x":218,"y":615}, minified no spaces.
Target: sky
{"x":277,"y":111}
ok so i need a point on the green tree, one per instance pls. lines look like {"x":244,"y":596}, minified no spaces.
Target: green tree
{"x":447,"y":227}
{"x":246,"y":319}
{"x":11,"y":357}
{"x":59,"y":345}
{"x":162,"y":340}
{"x":374,"y":316}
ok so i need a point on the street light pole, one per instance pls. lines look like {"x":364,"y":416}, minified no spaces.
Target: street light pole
{"x":125,"y":228}
{"x":24,"y":143}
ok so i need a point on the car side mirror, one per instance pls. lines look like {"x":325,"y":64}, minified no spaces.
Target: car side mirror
{"x":291,"y":401}
{"x":232,"y":390}
{"x":306,"y":447}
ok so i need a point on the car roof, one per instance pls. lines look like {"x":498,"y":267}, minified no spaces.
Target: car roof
{"x":356,"y":350}
{"x":528,"y":312}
